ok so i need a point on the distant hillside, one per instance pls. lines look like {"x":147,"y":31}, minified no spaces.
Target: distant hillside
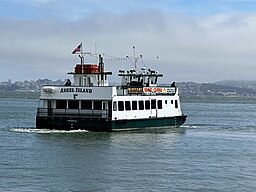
{"x":226,"y":90}
{"x":28,"y":85}
{"x":239,"y":83}
{"x":222,"y":88}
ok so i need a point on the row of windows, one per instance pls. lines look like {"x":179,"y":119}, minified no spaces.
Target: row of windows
{"x":120,"y":105}
{"x":141,"y":105}
{"x":74,"y":104}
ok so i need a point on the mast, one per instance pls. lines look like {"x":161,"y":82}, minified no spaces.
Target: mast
{"x":134,"y":56}
{"x":133,"y":59}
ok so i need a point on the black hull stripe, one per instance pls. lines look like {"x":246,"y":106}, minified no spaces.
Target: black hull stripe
{"x":101,"y":124}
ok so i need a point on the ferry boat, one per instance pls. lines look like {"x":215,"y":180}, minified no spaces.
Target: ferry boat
{"x":90,"y":103}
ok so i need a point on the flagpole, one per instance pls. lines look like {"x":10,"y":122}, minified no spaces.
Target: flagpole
{"x":81,"y":55}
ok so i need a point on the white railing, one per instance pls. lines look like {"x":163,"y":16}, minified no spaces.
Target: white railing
{"x":79,"y":113}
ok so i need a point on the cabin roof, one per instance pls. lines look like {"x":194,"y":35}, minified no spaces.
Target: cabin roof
{"x":98,"y":73}
{"x":139,"y":75}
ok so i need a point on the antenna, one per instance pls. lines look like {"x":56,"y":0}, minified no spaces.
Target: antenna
{"x":134,"y":59}
{"x":96,"y":51}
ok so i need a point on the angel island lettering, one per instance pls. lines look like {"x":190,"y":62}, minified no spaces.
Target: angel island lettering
{"x":75,"y":90}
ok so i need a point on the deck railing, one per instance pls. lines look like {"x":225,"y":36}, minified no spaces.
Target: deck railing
{"x":78,"y":113}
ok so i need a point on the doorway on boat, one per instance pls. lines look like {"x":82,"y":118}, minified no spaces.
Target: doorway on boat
{"x":49,"y":108}
{"x":105,"y":109}
{"x":153,"y":108}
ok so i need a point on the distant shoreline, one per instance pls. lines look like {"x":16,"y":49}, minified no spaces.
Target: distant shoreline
{"x":185,"y":98}
{"x":218,"y":99}
{"x":220,"y":88}
{"x":20,"y":94}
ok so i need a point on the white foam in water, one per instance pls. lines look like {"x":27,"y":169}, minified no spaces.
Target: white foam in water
{"x":191,"y":126}
{"x":34,"y":130}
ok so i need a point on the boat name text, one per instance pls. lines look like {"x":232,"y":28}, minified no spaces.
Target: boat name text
{"x":158,"y":90}
{"x":75,"y":90}
{"x":163,"y":90}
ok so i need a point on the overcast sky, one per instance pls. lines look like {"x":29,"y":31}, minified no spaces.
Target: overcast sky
{"x":187,"y":40}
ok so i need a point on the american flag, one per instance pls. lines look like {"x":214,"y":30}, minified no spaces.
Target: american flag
{"x":78,"y":49}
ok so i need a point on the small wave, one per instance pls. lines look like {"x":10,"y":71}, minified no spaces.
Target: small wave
{"x":45,"y":131}
{"x":220,"y":127}
{"x":192,"y":126}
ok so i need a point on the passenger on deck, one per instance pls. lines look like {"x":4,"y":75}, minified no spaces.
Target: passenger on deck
{"x":68,"y":83}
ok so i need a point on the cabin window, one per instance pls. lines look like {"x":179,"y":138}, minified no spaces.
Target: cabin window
{"x":176,"y":104}
{"x":153,"y":80}
{"x":73,"y":104}
{"x":41,"y":103}
{"x":114,"y":106}
{"x":159,"y":104}
{"x":80,"y":81}
{"x":84,"y":80}
{"x":166,"y":102}
{"x":86,"y":104}
{"x":153,"y":104}
{"x":147,"y":104}
{"x":104,"y":105}
{"x":134,"y":105}
{"x":120,"y":105}
{"x":171,"y":101}
{"x":127,"y":105}
{"x":141,"y":105}
{"x":97,"y":105}
{"x":49,"y":104}
{"x":61,"y":104}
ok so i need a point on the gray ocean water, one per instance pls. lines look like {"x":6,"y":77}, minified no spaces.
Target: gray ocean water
{"x":214,"y":151}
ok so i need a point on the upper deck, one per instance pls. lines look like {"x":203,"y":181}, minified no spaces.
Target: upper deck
{"x":90,"y":81}
{"x":91,"y":75}
{"x":102,"y":92}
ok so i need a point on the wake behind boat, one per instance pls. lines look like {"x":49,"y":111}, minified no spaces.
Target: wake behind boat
{"x":89,"y":103}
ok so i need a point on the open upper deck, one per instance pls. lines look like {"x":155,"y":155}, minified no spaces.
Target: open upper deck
{"x":144,"y":78}
{"x":90,"y":82}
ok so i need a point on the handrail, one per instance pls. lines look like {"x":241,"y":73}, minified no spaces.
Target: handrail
{"x":79,"y":113}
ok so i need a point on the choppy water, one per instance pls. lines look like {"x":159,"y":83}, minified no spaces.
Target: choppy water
{"x":214,"y":151}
